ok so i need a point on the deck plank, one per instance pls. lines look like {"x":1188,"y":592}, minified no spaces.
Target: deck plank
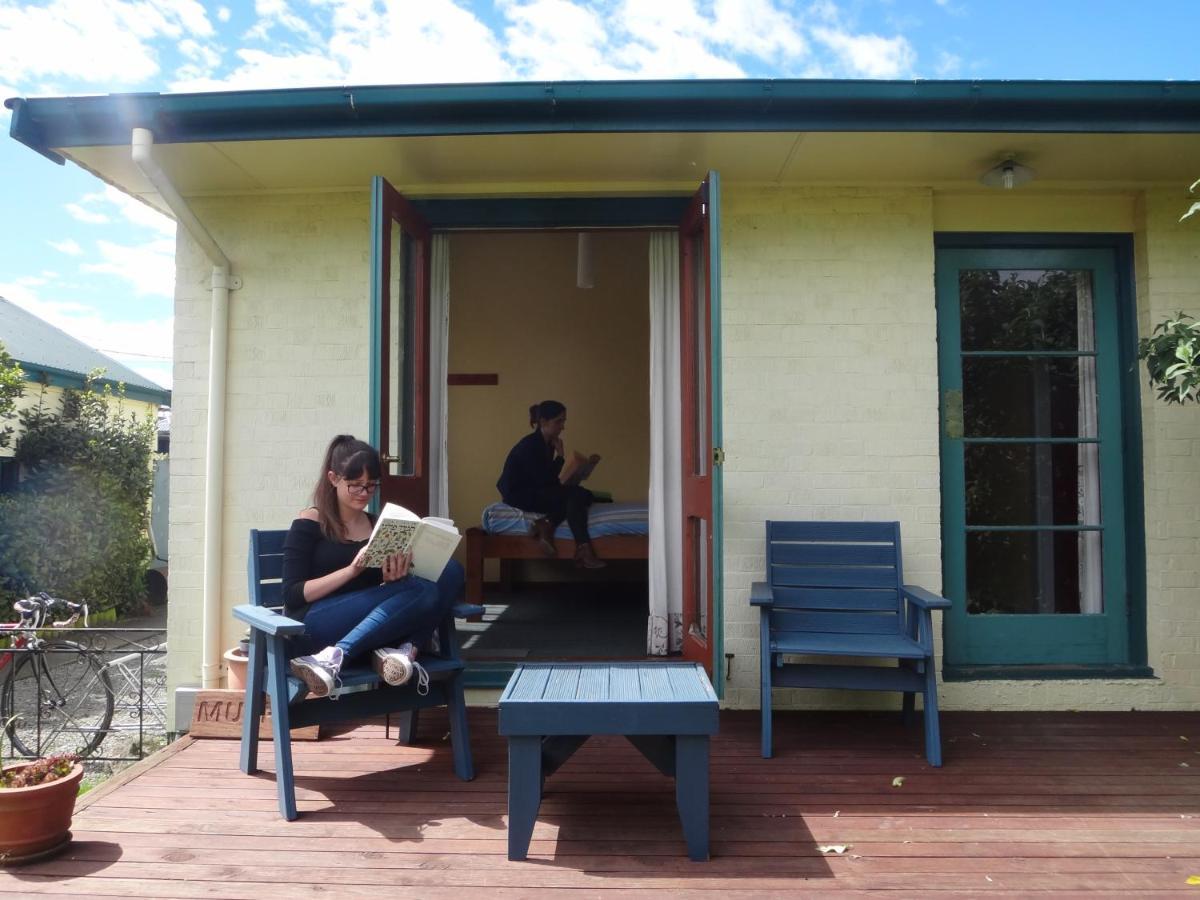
{"x":1077,"y":804}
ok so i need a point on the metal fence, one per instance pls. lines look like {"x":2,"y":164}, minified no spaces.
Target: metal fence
{"x":97,"y":692}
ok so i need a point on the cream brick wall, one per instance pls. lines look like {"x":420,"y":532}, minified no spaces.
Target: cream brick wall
{"x":830,"y":401}
{"x":298,"y":374}
{"x":830,"y":408}
{"x":830,"y":385}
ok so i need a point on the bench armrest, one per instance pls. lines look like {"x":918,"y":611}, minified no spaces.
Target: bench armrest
{"x":267,"y":620}
{"x":924,"y":599}
{"x":761,"y":594}
{"x":467,"y":610}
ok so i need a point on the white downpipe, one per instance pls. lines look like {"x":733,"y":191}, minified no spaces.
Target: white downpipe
{"x":214,"y":456}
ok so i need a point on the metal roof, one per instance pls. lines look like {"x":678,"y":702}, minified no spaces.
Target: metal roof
{"x":41,"y":348}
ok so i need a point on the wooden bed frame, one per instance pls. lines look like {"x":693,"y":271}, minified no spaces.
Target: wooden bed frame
{"x":506,"y":547}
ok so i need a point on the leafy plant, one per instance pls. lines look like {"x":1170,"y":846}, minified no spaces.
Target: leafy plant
{"x":77,"y":525}
{"x":1172,"y":355}
{"x":40,"y":771}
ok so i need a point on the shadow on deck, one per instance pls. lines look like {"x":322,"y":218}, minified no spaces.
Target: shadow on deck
{"x":1074,"y":803}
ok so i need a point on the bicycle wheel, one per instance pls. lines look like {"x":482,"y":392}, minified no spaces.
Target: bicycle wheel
{"x":56,"y":699}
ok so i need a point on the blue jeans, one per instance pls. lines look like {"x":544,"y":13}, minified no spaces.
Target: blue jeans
{"x":406,"y":610}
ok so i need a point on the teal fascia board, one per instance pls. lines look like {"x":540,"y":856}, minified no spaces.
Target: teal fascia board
{"x":611,"y":106}
{"x":61,"y":378}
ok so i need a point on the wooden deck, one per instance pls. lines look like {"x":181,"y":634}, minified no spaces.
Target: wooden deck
{"x":1072,"y":803}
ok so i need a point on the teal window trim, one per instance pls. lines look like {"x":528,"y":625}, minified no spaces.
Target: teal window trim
{"x":1045,"y":673}
{"x":1133,"y":478}
{"x":375,"y":306}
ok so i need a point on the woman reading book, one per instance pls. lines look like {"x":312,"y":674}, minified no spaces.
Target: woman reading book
{"x":532,"y":481}
{"x":349,"y":610}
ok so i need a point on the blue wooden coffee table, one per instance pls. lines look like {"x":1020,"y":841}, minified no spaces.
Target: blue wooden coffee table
{"x":666,"y":710}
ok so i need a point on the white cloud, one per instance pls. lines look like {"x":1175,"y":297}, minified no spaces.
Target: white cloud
{"x":555,"y":39}
{"x":948,"y":64}
{"x":86,"y":215}
{"x":760,"y":28}
{"x":68,"y":246}
{"x":868,"y":55}
{"x":110,"y":42}
{"x":133,"y":210}
{"x":223,"y":14}
{"x":149,"y":268}
{"x":276,"y":14}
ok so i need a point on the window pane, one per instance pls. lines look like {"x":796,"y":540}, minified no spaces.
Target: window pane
{"x":1025,"y":309}
{"x":1033,"y":572}
{"x":1028,"y":397}
{"x":401,"y":359}
{"x":1032,"y":484}
{"x":696,"y":617}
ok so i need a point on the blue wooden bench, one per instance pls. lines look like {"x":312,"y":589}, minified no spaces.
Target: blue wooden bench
{"x":666,"y":710}
{"x":837,"y":589}
{"x":364,"y":694}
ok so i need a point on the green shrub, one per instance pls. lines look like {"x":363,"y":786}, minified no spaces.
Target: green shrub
{"x":12,"y":385}
{"x":77,"y":525}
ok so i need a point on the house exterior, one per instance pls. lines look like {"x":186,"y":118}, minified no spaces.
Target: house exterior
{"x":52,"y":361}
{"x":889,"y":338}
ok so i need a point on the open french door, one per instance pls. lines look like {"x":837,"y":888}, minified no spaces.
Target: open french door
{"x":699,"y":286}
{"x":400,"y":268}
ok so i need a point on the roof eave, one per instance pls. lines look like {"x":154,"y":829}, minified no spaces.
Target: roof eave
{"x":611,"y":106}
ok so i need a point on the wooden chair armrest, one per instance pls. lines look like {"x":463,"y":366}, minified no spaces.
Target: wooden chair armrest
{"x":761,"y":594}
{"x":924,"y":599}
{"x":267,"y":621}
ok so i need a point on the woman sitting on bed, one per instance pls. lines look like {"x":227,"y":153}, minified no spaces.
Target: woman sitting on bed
{"x":530,"y":483}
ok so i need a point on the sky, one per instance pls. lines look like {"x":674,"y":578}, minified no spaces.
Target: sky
{"x":100,"y":265}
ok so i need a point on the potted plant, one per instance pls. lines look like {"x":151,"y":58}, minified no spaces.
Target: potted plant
{"x":37,"y":800}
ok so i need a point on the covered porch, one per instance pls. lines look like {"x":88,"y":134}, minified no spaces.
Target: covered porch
{"x":1076,"y":803}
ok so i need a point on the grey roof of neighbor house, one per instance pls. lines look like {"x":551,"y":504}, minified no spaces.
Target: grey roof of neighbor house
{"x":41,"y":348}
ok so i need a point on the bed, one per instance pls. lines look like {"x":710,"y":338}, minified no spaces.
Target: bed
{"x":618,"y":531}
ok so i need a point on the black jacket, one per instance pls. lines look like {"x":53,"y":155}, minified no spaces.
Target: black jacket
{"x":529,"y":469}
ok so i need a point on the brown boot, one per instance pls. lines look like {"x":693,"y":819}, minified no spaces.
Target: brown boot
{"x":543,"y":533}
{"x":586,"y":558}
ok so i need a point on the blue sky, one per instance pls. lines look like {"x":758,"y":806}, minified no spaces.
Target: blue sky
{"x":99,"y":265}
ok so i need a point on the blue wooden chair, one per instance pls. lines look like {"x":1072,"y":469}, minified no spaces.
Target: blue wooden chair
{"x":837,"y":589}
{"x":364,"y":694}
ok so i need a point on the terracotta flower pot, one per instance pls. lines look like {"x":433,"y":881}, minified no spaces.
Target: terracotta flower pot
{"x":36,"y":819}
{"x":235,"y":669}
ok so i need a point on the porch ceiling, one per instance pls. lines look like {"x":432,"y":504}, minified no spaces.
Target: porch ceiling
{"x":630,"y":163}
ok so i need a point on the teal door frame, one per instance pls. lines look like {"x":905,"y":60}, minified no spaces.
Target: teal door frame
{"x":1113,"y":641}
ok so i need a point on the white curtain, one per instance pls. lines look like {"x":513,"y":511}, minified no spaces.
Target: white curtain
{"x":664,"y":627}
{"x":439,"y":348}
{"x":1091,"y":594}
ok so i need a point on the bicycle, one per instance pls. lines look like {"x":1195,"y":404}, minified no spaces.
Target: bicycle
{"x":56,"y":696}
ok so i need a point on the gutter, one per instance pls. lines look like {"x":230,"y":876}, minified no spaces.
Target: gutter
{"x":49,"y":125}
{"x":142,"y":145}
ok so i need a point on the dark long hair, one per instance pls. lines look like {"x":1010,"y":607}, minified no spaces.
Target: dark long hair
{"x":349,"y":458}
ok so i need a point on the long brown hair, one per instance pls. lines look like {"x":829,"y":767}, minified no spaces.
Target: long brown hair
{"x":349,"y":458}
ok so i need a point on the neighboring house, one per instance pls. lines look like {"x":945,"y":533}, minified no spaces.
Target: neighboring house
{"x":53,"y":360}
{"x":869,"y":332}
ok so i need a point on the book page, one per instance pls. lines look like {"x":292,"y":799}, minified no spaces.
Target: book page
{"x":390,"y":536}
{"x":432,"y":546}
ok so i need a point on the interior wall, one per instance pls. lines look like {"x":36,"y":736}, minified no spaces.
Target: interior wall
{"x":516,"y":312}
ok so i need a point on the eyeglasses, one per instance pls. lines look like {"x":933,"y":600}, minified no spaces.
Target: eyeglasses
{"x":365,"y":487}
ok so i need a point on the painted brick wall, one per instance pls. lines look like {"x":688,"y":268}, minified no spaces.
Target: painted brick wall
{"x":297,"y":375}
{"x":830,"y":405}
{"x":1168,"y":265}
{"x":830,"y":385}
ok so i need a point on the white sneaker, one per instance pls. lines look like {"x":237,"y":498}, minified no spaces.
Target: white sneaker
{"x":396,"y":666}
{"x":319,"y":672}
{"x":392,"y":665}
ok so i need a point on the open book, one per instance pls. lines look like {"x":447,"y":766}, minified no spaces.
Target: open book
{"x":430,"y":540}
{"x":578,"y":468}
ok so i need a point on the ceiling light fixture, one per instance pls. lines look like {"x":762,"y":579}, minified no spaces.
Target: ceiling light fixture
{"x":1008,"y":174}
